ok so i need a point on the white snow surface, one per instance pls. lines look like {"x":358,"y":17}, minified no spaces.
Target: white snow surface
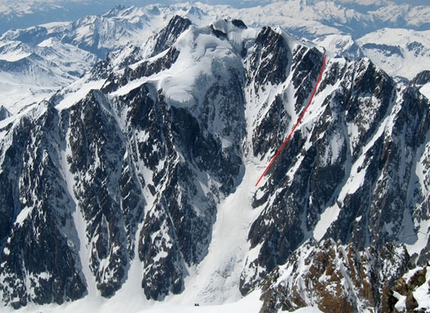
{"x":201,"y":56}
{"x":215,"y":280}
{"x":421,"y":294}
{"x":31,"y":74}
{"x":77,"y":91}
{"x":425,"y":90}
{"x":12,"y":51}
{"x":133,"y":303}
{"x":326,"y":219}
{"x":408,"y":54}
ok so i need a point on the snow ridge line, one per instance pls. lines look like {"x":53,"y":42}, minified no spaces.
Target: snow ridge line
{"x":297,"y":123}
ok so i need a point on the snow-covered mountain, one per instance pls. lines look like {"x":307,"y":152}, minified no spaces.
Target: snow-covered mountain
{"x":399,"y":52}
{"x":37,"y":61}
{"x":139,"y":176}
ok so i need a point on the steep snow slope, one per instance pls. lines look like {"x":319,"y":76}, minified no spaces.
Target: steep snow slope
{"x":425,"y":90}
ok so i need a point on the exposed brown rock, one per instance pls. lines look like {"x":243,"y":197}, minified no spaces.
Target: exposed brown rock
{"x":338,"y":279}
{"x":406,"y":288}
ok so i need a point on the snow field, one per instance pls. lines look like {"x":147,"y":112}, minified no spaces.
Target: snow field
{"x":216,"y":279}
{"x":425,"y":90}
{"x":409,"y":51}
{"x":76,"y":92}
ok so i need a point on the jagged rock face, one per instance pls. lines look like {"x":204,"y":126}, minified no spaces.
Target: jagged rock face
{"x":336,"y":277}
{"x":111,"y":164}
{"x":421,"y":78}
{"x":365,"y":129}
{"x":4,"y":113}
{"x":404,"y":291}
{"x":40,"y":261}
{"x":167,"y":37}
{"x":270,"y":58}
{"x":135,"y":169}
{"x":106,"y":189}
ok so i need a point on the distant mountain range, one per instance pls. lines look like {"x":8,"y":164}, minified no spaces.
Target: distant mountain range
{"x":350,"y":16}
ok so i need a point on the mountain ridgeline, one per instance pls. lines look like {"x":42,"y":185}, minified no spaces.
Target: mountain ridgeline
{"x":135,"y":168}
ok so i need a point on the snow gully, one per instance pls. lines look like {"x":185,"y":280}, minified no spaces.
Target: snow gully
{"x":297,"y":123}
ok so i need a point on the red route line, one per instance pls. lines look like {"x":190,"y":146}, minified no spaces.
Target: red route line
{"x":297,"y":123}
